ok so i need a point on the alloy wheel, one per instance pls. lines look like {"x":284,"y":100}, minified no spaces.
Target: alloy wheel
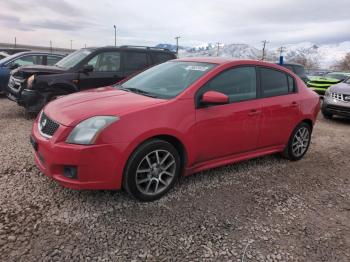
{"x":155,"y":172}
{"x":300,"y":141}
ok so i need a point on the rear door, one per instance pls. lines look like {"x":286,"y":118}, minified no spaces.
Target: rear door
{"x":280,"y":107}
{"x":106,"y":70}
{"x":135,"y":61}
{"x":161,"y":57}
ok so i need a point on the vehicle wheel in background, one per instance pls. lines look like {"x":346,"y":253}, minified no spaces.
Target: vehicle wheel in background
{"x":152,"y":170}
{"x":299,"y":142}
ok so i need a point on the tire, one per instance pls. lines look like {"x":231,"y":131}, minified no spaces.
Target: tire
{"x":152,"y":170}
{"x":327,"y":115}
{"x":298,"y":143}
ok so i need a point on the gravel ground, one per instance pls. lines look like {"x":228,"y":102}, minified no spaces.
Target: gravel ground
{"x":267,"y":209}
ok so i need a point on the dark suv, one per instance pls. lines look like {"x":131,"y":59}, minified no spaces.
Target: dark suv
{"x":34,"y":86}
{"x":298,"y":69}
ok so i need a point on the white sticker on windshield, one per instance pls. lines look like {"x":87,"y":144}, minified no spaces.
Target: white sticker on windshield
{"x":197,"y":68}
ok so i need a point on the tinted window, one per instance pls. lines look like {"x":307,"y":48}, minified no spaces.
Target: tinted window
{"x":161,"y":57}
{"x":106,"y":62}
{"x":273,"y":83}
{"x":51,"y":60}
{"x":29,"y":60}
{"x":238,"y":84}
{"x":135,"y":61}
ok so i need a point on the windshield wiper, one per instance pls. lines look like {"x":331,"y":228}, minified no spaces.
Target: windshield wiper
{"x":137,"y":91}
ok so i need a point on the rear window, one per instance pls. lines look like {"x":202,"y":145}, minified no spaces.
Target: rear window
{"x":161,"y":57}
{"x":275,"y":83}
{"x":51,"y":60}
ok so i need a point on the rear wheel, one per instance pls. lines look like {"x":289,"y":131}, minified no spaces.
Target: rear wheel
{"x":152,"y":170}
{"x":299,"y":142}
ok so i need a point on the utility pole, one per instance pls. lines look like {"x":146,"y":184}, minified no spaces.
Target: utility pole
{"x":15,"y":42}
{"x":71,"y":44}
{"x":177,"y":44}
{"x":264,"y":48}
{"x":85,"y":45}
{"x":218,"y":48}
{"x":281,"y":50}
{"x":51,"y":46}
{"x":115,"y":35}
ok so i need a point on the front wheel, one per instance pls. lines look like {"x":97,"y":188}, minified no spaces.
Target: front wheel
{"x":299,"y":142}
{"x":152,"y":170}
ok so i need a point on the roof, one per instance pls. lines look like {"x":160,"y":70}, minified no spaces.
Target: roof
{"x":36,"y":53}
{"x":222,"y":60}
{"x":130,"y":47}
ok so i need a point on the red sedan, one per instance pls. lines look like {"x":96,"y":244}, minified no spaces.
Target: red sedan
{"x":174,"y":119}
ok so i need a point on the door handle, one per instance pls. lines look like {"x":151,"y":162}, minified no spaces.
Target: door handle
{"x":254,"y":112}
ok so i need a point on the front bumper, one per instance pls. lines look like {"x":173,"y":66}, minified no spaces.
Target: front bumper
{"x":335,"y":106}
{"x":30,"y":99}
{"x":98,"y":166}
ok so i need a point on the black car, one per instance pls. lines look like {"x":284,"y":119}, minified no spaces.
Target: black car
{"x":34,"y":86}
{"x":24,"y":58}
{"x":298,"y":69}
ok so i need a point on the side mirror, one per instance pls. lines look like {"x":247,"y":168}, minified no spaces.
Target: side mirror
{"x":14,"y":66}
{"x":214,"y":98}
{"x":88,"y":68}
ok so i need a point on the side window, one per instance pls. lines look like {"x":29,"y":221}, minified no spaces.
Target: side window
{"x":135,"y":61}
{"x":238,"y":84}
{"x":273,"y":82}
{"x":51,"y":60}
{"x":106,"y":62}
{"x":29,"y":60}
{"x":161,"y":57}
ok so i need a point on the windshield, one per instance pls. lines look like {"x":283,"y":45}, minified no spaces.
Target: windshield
{"x":336,"y":76}
{"x":166,"y":80}
{"x":6,"y":59}
{"x":73,"y":59}
{"x":348,"y":81}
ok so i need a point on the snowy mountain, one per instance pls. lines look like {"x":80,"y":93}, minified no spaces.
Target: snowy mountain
{"x":324,"y":56}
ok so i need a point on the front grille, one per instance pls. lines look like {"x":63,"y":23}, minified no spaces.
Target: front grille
{"x":341,"y":97}
{"x":47,"y":126}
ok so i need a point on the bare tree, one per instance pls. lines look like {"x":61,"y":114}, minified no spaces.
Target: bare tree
{"x":307,"y":62}
{"x":344,"y":64}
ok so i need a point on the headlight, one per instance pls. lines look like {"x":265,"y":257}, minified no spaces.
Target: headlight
{"x":86,"y":132}
{"x":30,"y":81}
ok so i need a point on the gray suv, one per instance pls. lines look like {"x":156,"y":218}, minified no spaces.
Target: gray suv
{"x":337,"y":100}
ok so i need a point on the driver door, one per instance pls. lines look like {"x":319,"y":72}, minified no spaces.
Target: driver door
{"x":107,"y":71}
{"x":233,"y":128}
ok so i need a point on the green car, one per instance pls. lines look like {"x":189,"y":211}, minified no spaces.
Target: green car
{"x":320,"y":83}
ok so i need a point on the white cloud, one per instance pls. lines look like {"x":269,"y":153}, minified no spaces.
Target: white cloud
{"x":150,"y":22}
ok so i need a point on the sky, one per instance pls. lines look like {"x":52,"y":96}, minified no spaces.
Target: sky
{"x":150,"y":22}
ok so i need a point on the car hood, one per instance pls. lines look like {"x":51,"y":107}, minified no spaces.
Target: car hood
{"x":341,"y":88}
{"x":39,"y":69}
{"x":105,"y":101}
